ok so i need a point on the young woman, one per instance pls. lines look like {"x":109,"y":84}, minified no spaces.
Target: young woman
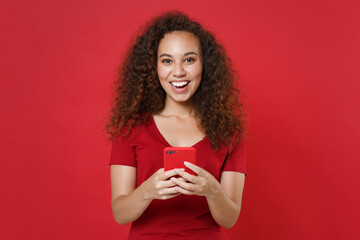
{"x":175,"y":88}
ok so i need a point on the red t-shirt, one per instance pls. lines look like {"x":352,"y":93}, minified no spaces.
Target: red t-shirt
{"x":182,"y":217}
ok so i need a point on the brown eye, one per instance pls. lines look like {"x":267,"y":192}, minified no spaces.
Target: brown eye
{"x":189,"y":60}
{"x":166,"y":61}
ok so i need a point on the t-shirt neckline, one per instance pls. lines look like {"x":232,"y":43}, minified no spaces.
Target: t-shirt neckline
{"x":157,"y":131}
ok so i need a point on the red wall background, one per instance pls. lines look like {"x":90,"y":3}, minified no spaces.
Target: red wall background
{"x":299,"y":62}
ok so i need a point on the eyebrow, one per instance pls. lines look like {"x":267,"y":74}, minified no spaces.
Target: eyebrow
{"x":186,"y":54}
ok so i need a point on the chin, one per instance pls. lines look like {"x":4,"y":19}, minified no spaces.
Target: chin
{"x":181,"y":99}
{"x":187,"y":100}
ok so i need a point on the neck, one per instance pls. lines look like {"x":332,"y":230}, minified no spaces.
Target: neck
{"x":183,"y":109}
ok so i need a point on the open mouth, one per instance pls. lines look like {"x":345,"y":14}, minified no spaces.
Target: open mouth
{"x":181,"y":84}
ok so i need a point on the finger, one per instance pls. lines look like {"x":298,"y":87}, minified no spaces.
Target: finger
{"x":187,"y":176}
{"x":171,"y":173}
{"x":168,"y":191}
{"x":198,"y":170}
{"x":165,"y":184}
{"x":184,"y":191}
{"x":169,"y":196}
{"x":181,"y":179}
{"x":184,"y":185}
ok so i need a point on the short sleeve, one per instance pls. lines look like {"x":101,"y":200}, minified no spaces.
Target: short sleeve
{"x":122,"y":152}
{"x":236,"y":158}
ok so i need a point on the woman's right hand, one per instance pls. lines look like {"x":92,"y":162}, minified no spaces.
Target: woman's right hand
{"x":159,"y":185}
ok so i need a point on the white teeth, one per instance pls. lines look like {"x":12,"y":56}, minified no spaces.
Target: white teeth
{"x":179,"y":84}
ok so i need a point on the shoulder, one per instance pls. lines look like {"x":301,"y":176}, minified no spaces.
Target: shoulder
{"x":236,"y":144}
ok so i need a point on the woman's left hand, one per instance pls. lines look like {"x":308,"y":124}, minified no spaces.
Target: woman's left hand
{"x":204,"y":184}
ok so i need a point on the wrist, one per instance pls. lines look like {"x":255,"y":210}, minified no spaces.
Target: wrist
{"x":215,"y":190}
{"x":144,"y":193}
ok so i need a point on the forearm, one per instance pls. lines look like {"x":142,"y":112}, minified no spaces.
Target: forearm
{"x":223,"y":209}
{"x":224,"y":199}
{"x":128,"y":208}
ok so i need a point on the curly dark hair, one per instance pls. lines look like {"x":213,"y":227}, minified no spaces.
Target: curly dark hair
{"x":138,"y":92}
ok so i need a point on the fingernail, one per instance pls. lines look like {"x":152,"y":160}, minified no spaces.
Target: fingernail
{"x":173,"y":179}
{"x":186,"y":163}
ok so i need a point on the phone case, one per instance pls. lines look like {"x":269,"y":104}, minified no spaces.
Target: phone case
{"x":174,"y":157}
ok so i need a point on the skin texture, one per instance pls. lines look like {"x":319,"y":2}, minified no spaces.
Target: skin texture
{"x":138,"y":93}
{"x":179,"y":59}
{"x":224,"y":198}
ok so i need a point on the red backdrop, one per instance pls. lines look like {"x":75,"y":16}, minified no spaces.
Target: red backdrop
{"x":299,"y":62}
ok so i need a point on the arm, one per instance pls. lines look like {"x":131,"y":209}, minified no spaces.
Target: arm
{"x":224,"y":198}
{"x":129,"y":202}
{"x":226,"y":205}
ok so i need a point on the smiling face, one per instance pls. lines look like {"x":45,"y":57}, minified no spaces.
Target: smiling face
{"x":179,"y":65}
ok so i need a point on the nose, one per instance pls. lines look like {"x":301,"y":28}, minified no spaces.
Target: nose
{"x":178,"y":70}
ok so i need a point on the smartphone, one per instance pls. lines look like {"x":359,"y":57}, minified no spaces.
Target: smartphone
{"x":174,"y":157}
